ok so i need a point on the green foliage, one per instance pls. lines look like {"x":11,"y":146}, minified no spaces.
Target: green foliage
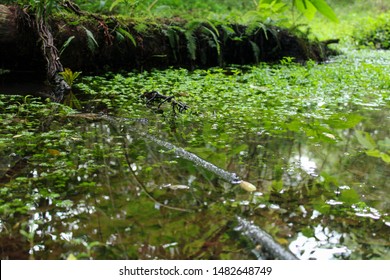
{"x":379,"y":150}
{"x":309,"y":7}
{"x":256,"y":51}
{"x":66,"y":44}
{"x":375,"y":33}
{"x":128,"y":6}
{"x":173,"y":34}
{"x":312,"y":138}
{"x":91,"y":41}
{"x":125,"y":34}
{"x":69,"y":76}
{"x":200,"y":26}
{"x":71,"y":99}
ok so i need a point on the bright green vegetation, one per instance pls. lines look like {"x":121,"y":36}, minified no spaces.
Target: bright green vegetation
{"x":357,"y":19}
{"x":377,"y":35}
{"x":313,"y":139}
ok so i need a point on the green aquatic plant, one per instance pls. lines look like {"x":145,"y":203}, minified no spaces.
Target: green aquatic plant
{"x":69,"y":77}
{"x":380,"y":149}
{"x":298,"y":133}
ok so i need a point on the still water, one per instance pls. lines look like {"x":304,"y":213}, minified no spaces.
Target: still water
{"x":74,"y":186}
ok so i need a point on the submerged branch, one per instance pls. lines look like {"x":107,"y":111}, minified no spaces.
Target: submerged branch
{"x":272,"y":249}
{"x":180,"y":152}
{"x":269,"y":246}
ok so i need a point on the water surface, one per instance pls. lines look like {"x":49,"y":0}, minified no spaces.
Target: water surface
{"x":313,"y":139}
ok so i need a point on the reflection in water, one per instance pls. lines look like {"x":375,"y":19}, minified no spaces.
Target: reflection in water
{"x":110,"y":215}
{"x":315,"y":195}
{"x":324,"y":246}
{"x":91,"y":190}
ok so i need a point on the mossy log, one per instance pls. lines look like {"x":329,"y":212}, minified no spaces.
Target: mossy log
{"x":92,"y":43}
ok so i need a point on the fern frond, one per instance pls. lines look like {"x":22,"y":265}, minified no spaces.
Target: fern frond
{"x":215,"y":39}
{"x":254,"y":27}
{"x":66,"y":44}
{"x":213,"y":27}
{"x":193,"y":24}
{"x":256,"y":51}
{"x":91,"y":42}
{"x":128,"y":35}
{"x":173,"y":39}
{"x":191,"y":43}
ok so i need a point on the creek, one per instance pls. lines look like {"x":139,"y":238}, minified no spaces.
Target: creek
{"x":314,"y":140}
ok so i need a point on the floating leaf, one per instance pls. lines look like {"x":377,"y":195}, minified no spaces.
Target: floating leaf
{"x":349,"y":196}
{"x":54,"y":152}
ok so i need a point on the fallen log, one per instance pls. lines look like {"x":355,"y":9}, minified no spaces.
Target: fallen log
{"x":94,"y":43}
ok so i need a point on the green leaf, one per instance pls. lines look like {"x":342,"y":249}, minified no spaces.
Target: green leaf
{"x":308,"y":232}
{"x":127,"y":35}
{"x":349,"y":196}
{"x":91,"y":42}
{"x":378,"y":154}
{"x":344,"y":121}
{"x":256,"y":50}
{"x":306,"y":8}
{"x":115,"y":3}
{"x":215,"y":39}
{"x":385,"y":157}
{"x":324,"y":9}
{"x":365,"y":140}
{"x":66,"y":44}
{"x":191,"y":44}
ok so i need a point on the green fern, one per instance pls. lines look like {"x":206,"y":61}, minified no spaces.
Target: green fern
{"x":254,"y":27}
{"x":212,"y":26}
{"x":227,"y":32}
{"x":195,"y":25}
{"x":91,"y":41}
{"x":127,"y":35}
{"x":191,"y":27}
{"x":66,"y":44}
{"x":215,"y":40}
{"x":191,"y":43}
{"x":173,"y":38}
{"x":256,"y":51}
